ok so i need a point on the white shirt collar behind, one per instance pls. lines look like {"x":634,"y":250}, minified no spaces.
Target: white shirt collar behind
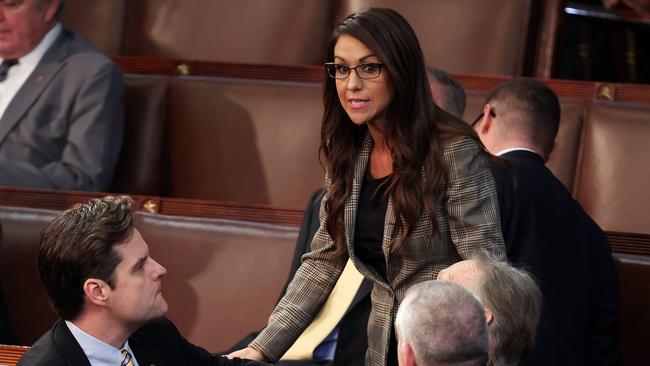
{"x":19,"y":73}
{"x":515,"y":149}
{"x":98,"y":352}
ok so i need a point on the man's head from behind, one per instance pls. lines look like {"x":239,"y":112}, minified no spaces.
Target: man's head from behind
{"x":441,"y":323}
{"x":512,"y":302}
{"x":94,"y":262}
{"x":447,"y":93}
{"x":521,"y":112}
{"x":24,"y":23}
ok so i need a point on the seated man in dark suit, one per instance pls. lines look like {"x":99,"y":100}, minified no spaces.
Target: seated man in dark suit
{"x":61,"y":102}
{"x":96,"y":268}
{"x":346,"y":343}
{"x":547,"y":231}
{"x":440,"y":323}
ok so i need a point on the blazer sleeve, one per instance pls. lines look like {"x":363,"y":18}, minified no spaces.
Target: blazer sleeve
{"x":95,"y":128}
{"x":472,"y":203}
{"x":305,"y":295}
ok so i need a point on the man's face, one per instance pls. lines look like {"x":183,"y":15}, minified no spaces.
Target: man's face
{"x":137,"y":294}
{"x":23,"y":23}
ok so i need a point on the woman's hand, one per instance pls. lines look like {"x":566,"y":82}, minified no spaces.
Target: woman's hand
{"x":248,"y":353}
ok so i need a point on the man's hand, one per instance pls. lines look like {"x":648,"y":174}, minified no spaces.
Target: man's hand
{"x":248,"y":353}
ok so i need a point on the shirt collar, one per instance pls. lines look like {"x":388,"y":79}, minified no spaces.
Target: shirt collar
{"x":515,"y":149}
{"x":34,"y":56}
{"x":97,"y":352}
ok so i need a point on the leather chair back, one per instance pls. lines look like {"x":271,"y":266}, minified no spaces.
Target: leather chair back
{"x":634,"y":311}
{"x":139,"y":166}
{"x":101,"y":22}
{"x":244,"y":141}
{"x":224,"y":277}
{"x":613,"y":177}
{"x":464,"y":36}
{"x":291,"y":32}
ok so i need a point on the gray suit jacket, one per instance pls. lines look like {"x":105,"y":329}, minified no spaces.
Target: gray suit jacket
{"x":468,"y":221}
{"x":63,"y":129}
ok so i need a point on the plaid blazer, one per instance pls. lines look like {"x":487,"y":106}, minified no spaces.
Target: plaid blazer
{"x":467,"y":221}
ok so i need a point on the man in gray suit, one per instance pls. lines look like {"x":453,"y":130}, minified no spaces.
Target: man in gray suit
{"x":61,"y":102}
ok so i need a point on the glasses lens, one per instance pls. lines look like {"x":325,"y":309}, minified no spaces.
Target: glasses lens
{"x":369,"y":71}
{"x":331,"y":70}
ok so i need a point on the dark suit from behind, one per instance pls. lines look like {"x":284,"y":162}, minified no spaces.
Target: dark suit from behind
{"x":547,"y":232}
{"x":157,"y":343}
{"x":352,"y":339}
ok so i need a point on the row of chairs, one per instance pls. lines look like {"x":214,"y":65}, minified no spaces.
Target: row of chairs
{"x":500,"y":37}
{"x":210,"y":299}
{"x":256,"y":141}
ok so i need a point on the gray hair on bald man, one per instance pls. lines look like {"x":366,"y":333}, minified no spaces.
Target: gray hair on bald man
{"x":440,"y":323}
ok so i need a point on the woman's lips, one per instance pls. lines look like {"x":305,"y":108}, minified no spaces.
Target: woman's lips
{"x":356,"y":103}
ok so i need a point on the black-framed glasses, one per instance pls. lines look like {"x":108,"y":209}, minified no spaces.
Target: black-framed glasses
{"x":364,"y":71}
{"x":480,"y":116}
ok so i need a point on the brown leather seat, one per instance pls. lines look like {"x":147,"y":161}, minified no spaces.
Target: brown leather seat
{"x":223,"y":279}
{"x":289,"y":32}
{"x":224,"y":276}
{"x":613,"y":174}
{"x":634,"y":287}
{"x":139,"y":166}
{"x":27,"y":303}
{"x":101,"y":22}
{"x":244,"y":141}
{"x":464,"y":36}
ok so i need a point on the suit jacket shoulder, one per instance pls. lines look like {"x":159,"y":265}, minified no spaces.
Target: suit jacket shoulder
{"x":57,"y":347}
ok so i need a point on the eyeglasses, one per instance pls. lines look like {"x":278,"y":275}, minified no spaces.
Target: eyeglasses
{"x":364,"y":71}
{"x":480,"y":116}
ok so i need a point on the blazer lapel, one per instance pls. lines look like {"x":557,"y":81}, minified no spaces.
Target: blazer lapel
{"x":27,"y":95}
{"x":148,"y":355}
{"x":66,"y":344}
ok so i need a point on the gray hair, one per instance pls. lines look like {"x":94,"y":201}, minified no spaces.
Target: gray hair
{"x":454,"y":94}
{"x":514,"y":298}
{"x":444,"y":324}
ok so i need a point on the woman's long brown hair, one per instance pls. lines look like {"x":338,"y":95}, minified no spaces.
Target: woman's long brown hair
{"x":414,"y":127}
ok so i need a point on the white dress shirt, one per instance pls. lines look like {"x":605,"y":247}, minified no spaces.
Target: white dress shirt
{"x":515,"y":149}
{"x":19,"y":73}
{"x":98,"y":352}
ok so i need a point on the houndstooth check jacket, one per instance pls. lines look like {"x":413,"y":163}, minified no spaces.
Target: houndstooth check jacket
{"x":467,"y":221}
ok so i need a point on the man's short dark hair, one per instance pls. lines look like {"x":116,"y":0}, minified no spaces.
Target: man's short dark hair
{"x":538,"y":105}
{"x":454,"y":93}
{"x":78,"y":244}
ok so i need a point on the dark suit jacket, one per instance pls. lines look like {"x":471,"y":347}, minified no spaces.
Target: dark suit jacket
{"x":547,"y":232}
{"x":352,"y":340}
{"x":63,"y":128}
{"x":157,"y":343}
{"x":6,"y":333}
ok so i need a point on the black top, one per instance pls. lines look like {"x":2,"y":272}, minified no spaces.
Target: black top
{"x":371,"y":213}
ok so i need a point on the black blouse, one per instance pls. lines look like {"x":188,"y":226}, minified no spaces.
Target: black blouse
{"x":369,"y":232}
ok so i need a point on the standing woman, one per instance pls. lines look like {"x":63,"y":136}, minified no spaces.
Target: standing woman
{"x":408,"y":189}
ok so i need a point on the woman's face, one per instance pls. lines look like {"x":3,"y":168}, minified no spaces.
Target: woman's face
{"x":364,"y":100}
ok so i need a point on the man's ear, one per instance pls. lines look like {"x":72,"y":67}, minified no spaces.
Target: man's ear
{"x":486,"y":122}
{"x":52,"y":7}
{"x":96,"y":291}
{"x":489,"y":316}
{"x":405,"y":355}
